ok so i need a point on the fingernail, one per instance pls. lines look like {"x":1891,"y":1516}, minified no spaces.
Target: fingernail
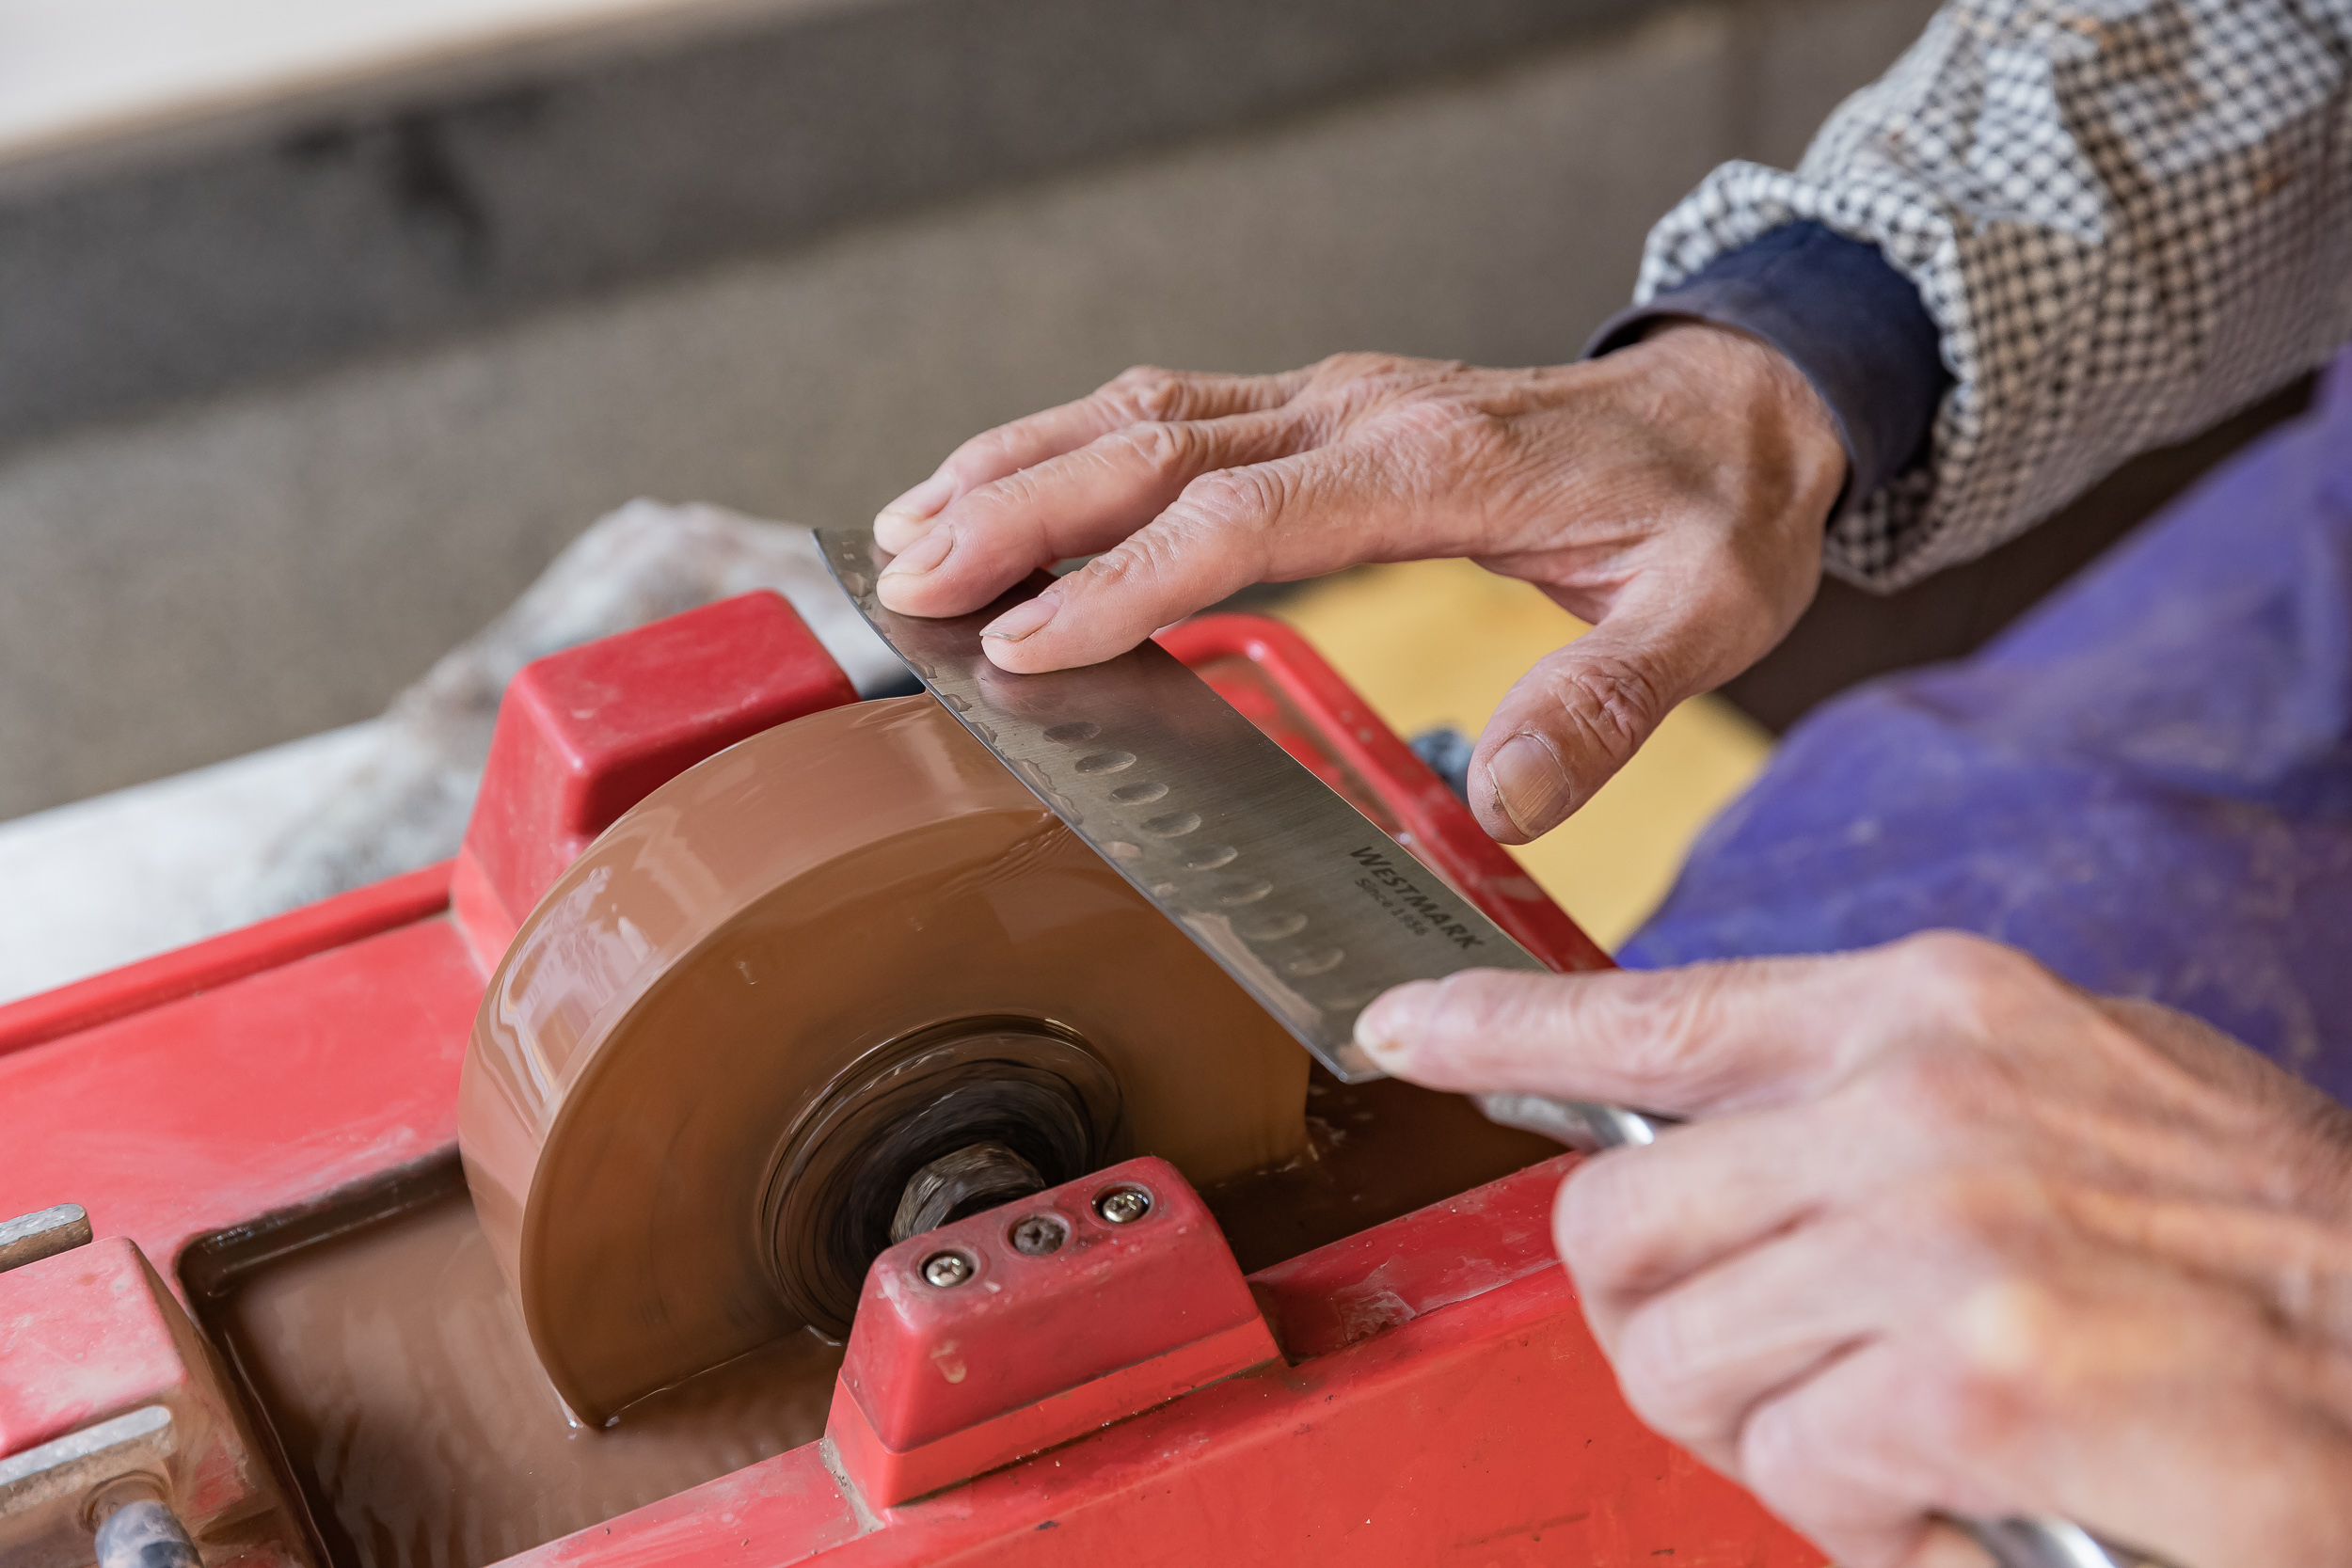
{"x":1025,"y":618}
{"x":921,"y":556}
{"x":920,"y":504}
{"x":1529,"y":783}
{"x":1382,"y":1028}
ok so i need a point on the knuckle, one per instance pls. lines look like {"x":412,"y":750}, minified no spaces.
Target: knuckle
{"x":1163,"y":446}
{"x":1971,"y":978}
{"x":1601,"y":1209}
{"x":1782,"y":1451}
{"x":1985,"y":1386}
{"x":983,"y":457}
{"x":1662,"y":1361}
{"x":999,"y":501}
{"x":1227,"y":499}
{"x":1147,"y":392}
{"x":1666,"y":1044}
{"x":1610,"y":704}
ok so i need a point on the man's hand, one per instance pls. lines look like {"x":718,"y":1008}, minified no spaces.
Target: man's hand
{"x":1950,"y":1237}
{"x":1672,"y":493}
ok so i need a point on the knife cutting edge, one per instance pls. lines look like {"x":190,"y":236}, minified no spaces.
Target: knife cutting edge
{"x":1305,"y":901}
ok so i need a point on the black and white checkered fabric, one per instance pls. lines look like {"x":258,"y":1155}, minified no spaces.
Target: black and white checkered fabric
{"x":2128,"y":219}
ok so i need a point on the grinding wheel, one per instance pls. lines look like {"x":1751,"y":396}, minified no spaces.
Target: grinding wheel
{"x":841,"y":981}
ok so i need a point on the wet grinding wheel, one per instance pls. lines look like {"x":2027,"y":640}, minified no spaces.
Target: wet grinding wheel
{"x":846,"y":976}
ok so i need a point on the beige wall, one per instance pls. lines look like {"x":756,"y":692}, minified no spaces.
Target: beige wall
{"x":274,"y":562}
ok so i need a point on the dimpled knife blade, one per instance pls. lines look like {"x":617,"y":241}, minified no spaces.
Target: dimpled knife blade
{"x":1297,"y":895}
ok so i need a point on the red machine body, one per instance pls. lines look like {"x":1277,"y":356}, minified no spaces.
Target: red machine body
{"x":1421,"y":1392}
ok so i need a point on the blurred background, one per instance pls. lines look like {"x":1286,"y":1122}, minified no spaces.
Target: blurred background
{"x":325,"y":328}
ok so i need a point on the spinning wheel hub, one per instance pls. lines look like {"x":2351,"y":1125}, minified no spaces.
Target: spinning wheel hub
{"x":952,"y":1120}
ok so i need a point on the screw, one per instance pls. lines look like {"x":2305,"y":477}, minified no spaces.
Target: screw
{"x":1038,"y":1234}
{"x":946,"y":1269}
{"x":1123,"y":1205}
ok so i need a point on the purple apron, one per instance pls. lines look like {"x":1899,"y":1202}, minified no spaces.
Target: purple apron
{"x":2146,"y":782}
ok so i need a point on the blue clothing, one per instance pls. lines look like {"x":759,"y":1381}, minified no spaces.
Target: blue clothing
{"x":1842,"y":315}
{"x":2146,"y":782}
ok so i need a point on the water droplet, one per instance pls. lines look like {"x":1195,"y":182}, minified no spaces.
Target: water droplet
{"x":1141,"y":793}
{"x":1208,"y":857}
{"x":1074,"y":732}
{"x":1176,"y":824}
{"x":1105,"y":762}
{"x":1272,"y":926}
{"x":1242,"y":889}
{"x":1317,"y":964}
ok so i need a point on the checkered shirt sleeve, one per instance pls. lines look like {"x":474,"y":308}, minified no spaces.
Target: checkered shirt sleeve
{"x":2128,"y":219}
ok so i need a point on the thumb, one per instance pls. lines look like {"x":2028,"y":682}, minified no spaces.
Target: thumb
{"x":1569,"y":724}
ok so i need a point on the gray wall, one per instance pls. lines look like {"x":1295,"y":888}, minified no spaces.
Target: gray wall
{"x":280,"y":552}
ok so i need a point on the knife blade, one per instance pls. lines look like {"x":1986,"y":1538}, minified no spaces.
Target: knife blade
{"x":1301,"y":898}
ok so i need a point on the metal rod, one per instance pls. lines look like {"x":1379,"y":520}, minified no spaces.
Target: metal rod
{"x":43,"y":1233}
{"x":145,"y":1534}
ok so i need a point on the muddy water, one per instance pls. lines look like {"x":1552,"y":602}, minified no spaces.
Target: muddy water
{"x":396,"y":1372}
{"x":421,"y":1432}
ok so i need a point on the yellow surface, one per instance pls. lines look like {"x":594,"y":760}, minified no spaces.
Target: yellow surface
{"x":1440,"y":641}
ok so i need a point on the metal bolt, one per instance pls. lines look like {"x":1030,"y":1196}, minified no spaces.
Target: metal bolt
{"x":946,"y":1269}
{"x":1123,"y":1205}
{"x":1038,"y":1234}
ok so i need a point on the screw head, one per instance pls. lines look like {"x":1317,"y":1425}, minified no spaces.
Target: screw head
{"x":1035,"y":1235}
{"x":946,"y":1269}
{"x":1123,"y":1205}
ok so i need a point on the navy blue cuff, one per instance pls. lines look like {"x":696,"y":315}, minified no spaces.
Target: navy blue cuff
{"x":1843,"y":316}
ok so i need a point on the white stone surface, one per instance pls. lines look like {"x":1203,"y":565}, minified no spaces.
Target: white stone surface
{"x":122,"y":876}
{"x":104,"y":882}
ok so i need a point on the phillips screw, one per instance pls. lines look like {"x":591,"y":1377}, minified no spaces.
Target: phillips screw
{"x":1038,"y":1235}
{"x":1123,"y":1205}
{"x":946,"y":1269}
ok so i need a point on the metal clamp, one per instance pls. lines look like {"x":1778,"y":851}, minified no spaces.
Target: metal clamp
{"x":1590,"y":1127}
{"x":43,"y":1233}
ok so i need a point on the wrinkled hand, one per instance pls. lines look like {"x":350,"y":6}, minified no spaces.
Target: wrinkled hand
{"x":1949,"y":1237}
{"x":1672,"y":493}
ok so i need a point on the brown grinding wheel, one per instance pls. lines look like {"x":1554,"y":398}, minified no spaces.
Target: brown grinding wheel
{"x":837,"y":984}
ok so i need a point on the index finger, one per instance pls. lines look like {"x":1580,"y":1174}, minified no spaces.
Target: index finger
{"x":1699,"y":1042}
{"x":1142,"y":395}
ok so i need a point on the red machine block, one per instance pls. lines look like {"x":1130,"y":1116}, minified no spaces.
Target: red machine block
{"x":93,"y":1346}
{"x":585,"y":733}
{"x":1035,"y":1323}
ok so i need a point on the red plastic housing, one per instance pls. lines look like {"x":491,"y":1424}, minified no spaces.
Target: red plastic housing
{"x":91,"y":1334}
{"x":585,"y":733}
{"x":1440,"y":1399}
{"x":944,"y":1381}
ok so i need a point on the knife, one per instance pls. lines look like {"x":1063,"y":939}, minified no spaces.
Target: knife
{"x":1300,"y":897}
